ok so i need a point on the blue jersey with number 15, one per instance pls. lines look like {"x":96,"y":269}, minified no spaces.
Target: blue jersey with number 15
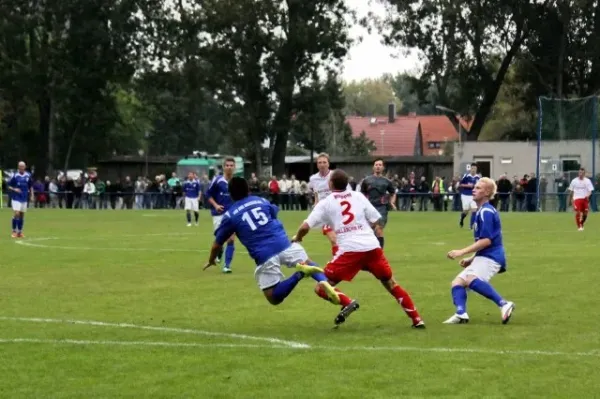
{"x":254,"y":221}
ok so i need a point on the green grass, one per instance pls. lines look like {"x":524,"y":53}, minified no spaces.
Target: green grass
{"x":144,"y":268}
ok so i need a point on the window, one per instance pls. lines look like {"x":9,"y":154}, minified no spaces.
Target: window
{"x":434,"y":144}
{"x":505,"y":161}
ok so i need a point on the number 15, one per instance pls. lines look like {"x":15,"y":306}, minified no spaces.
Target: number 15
{"x":254,"y":217}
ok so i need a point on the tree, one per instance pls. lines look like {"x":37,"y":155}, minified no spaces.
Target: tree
{"x":470,"y":42}
{"x":61,"y":58}
{"x":370,"y":97}
{"x":262,"y":53}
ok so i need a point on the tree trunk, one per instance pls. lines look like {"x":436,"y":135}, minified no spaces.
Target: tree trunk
{"x":564,"y":9}
{"x":43,"y":128}
{"x":71,"y":145}
{"x":491,"y":91}
{"x":51,"y":136}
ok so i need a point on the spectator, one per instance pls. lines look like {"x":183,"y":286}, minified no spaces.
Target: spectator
{"x":504,"y":189}
{"x":274,"y":190}
{"x":423,"y":190}
{"x":562,"y":185}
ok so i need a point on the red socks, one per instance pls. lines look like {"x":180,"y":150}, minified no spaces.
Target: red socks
{"x":406,"y":302}
{"x":578,"y":219}
{"x":344,"y":299}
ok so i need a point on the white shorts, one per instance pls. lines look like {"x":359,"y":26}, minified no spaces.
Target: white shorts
{"x":217,"y":221}
{"x":269,"y":273}
{"x":191,"y":204}
{"x":467,"y":202}
{"x":481,"y":267}
{"x":18,"y":206}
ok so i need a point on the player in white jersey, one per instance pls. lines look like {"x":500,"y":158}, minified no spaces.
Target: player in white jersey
{"x":581,"y":189}
{"x":352,"y":218}
{"x":319,"y":185}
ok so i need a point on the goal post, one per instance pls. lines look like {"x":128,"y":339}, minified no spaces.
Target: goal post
{"x":567,"y":139}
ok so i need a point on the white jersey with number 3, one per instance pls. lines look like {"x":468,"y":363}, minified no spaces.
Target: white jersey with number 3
{"x":581,"y":187}
{"x":350,"y":215}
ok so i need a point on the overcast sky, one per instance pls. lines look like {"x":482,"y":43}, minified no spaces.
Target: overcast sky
{"x":370,"y":58}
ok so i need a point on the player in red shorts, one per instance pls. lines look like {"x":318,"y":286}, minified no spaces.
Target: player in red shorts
{"x":581,"y":189}
{"x":319,"y":185}
{"x":352,"y":217}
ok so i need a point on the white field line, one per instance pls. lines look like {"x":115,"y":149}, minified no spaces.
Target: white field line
{"x":270,"y":340}
{"x":533,"y":353}
{"x":35,"y":243}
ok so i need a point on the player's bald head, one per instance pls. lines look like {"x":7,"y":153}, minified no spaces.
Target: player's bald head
{"x":21,"y":166}
{"x":338,"y":180}
{"x":238,"y":188}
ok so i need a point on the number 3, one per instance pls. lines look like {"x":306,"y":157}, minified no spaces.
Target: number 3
{"x":348,"y":216}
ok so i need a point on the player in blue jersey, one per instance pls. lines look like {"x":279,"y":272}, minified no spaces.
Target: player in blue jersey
{"x":254,"y":221}
{"x":467,"y":183}
{"x":488,"y":257}
{"x":20,"y":187}
{"x":192,"y":193}
{"x":219,"y":199}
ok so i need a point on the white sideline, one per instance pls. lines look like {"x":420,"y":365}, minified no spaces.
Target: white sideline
{"x":272,"y":341}
{"x":288,"y":347}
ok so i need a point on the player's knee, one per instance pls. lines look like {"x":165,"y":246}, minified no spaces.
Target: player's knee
{"x":269,"y":295}
{"x":388,"y":282}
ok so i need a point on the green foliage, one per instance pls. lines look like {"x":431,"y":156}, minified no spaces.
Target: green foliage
{"x":261,"y":53}
{"x":370,"y":97}
{"x":63,"y":59}
{"x":468,"y":43}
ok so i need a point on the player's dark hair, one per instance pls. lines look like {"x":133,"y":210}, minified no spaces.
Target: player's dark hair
{"x":339,"y":179}
{"x":228,"y":159}
{"x":379,"y":160}
{"x":238,"y":188}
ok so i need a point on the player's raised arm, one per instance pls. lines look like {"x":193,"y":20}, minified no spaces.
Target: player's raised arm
{"x":315,"y":218}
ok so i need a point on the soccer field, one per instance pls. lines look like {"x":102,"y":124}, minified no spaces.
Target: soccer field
{"x":100,"y":304}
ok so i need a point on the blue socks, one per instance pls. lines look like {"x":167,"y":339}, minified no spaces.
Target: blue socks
{"x":485,"y":289}
{"x":473,"y":216}
{"x":17,"y":224}
{"x":196,"y":216}
{"x":285,"y":287}
{"x":188,"y":217}
{"x":318,"y":276}
{"x":229,"y":251}
{"x":459,"y":297}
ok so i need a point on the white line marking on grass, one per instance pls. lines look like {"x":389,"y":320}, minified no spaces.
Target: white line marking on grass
{"x":135,"y":343}
{"x":539,"y":353}
{"x":33,"y":242}
{"x":273,"y":341}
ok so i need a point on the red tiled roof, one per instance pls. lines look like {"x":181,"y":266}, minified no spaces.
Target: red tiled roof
{"x":436,"y":128}
{"x":399,"y":138}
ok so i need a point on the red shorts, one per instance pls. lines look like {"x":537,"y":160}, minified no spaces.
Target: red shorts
{"x":581,"y":205}
{"x":327,"y":229}
{"x":345,"y":267}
